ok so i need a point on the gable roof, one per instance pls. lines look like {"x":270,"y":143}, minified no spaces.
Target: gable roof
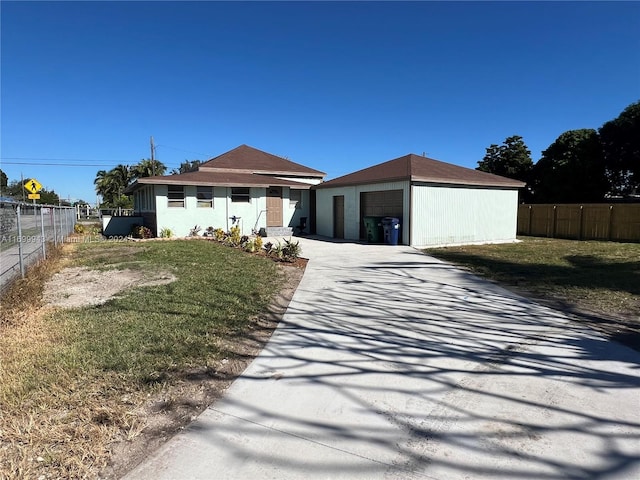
{"x":421,"y":169}
{"x":251,"y":160}
{"x":243,"y":166}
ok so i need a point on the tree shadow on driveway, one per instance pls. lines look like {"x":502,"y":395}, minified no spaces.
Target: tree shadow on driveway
{"x":411,"y":368}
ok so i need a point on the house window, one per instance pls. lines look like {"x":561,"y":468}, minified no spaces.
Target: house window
{"x":175,"y":196}
{"x":295,"y":198}
{"x":204,"y":196}
{"x":240,"y":195}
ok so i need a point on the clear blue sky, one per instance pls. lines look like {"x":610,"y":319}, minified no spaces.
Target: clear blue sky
{"x":335,"y":86}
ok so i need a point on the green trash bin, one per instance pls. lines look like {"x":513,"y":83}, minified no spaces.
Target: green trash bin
{"x":373,"y":229}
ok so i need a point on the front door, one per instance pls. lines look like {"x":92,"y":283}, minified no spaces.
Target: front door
{"x":338,"y":216}
{"x":274,"y":207}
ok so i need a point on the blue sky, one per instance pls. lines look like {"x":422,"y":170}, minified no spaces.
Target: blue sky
{"x":335,"y":86}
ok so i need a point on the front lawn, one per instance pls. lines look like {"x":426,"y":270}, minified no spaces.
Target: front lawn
{"x":74,"y":381}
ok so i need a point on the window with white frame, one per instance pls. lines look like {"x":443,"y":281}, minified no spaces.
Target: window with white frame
{"x":295,"y":198}
{"x":204,"y":196}
{"x":240,"y":195}
{"x":175,"y":196}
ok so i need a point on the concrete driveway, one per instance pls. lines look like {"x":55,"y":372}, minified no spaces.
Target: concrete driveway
{"x":391,"y":364}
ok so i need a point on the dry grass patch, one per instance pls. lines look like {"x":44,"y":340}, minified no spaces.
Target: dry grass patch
{"x":88,"y":391}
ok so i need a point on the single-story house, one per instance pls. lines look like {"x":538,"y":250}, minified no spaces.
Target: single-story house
{"x":247,"y":187}
{"x":437,"y":203}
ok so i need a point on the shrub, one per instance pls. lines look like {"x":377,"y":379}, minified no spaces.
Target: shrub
{"x":233,"y":238}
{"x":209,"y":232}
{"x":194,"y":231}
{"x":139,"y":231}
{"x":166,"y":233}
{"x":219,"y":234}
{"x":250,"y":246}
{"x":78,"y":228}
{"x":291,"y":250}
{"x":258,"y":242}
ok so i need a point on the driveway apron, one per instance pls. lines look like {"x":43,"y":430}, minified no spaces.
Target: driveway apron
{"x":390,"y":364}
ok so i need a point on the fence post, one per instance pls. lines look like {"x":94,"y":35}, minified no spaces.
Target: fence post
{"x":42,"y":238}
{"x":610,"y":222}
{"x":580,"y":234}
{"x":530,"y":219}
{"x":554,"y":221}
{"x":20,"y":253}
{"x":65,"y":230}
{"x":55,"y":230}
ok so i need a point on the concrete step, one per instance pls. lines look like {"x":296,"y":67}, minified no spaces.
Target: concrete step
{"x":279,"y":231}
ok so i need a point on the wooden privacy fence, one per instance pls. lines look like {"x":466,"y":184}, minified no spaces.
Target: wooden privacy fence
{"x":595,"y":221}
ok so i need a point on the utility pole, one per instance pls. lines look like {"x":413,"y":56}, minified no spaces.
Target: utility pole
{"x":153,"y":158}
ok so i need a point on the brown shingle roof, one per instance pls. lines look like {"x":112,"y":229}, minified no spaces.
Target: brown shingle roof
{"x":217,"y":178}
{"x":248,"y":159}
{"x":421,"y":169}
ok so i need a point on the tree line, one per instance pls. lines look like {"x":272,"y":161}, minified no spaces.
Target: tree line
{"x":580,"y":166}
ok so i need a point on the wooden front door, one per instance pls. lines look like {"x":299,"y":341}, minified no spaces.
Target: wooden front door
{"x":338,"y":216}
{"x":274,"y":207}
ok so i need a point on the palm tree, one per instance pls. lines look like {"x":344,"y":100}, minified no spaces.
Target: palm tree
{"x":111,"y":184}
{"x":148,"y":168}
{"x":104,"y":186}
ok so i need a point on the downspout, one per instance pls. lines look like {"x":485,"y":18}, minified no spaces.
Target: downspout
{"x":226,"y":203}
{"x":409,"y":222}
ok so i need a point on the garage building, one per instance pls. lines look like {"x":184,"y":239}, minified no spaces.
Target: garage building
{"x":437,"y":203}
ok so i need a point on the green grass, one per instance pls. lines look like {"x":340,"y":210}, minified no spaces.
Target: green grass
{"x":150,"y":332}
{"x":602,"y":277}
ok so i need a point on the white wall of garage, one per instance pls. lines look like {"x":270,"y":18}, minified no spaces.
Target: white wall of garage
{"x":444,"y":215}
{"x":324,"y":210}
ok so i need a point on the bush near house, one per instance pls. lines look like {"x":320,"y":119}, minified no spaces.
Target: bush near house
{"x":289,"y":251}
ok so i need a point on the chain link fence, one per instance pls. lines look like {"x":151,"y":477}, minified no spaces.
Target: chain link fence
{"x":26,"y":231}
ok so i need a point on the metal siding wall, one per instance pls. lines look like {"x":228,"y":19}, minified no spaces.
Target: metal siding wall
{"x":445,"y":215}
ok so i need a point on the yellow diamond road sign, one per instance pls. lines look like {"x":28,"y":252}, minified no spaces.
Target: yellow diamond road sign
{"x":32,"y":186}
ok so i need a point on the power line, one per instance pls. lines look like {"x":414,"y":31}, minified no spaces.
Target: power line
{"x":206,"y":155}
{"x":49,"y":159}
{"x":76,"y":165}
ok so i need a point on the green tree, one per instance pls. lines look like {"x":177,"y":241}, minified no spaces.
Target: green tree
{"x":15,"y":189}
{"x":571,"y":170}
{"x":4,"y":181}
{"x":110,"y":185}
{"x":620,"y":139}
{"x":48,"y":197}
{"x":512,"y":159}
{"x":148,"y":168}
{"x":187,"y":166}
